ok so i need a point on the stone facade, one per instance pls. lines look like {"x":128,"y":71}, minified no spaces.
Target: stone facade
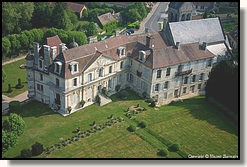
{"x":180,"y":11}
{"x":62,"y":77}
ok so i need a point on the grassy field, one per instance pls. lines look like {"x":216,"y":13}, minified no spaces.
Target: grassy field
{"x":14,"y":72}
{"x":195,"y":124}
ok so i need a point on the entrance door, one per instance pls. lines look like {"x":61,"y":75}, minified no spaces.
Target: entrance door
{"x":176,"y":93}
{"x":99,"y":88}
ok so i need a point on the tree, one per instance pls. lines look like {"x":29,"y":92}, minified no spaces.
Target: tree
{"x":30,"y":37}
{"x":25,"y":10}
{"x":23,"y":39}
{"x":85,"y":13}
{"x":38,"y":35}
{"x":14,"y":123}
{"x":6,"y":45}
{"x":4,"y":75}
{"x":9,"y":139}
{"x":223,"y":82}
{"x":72,"y":16}
{"x":205,"y":14}
{"x":15,"y":43}
{"x":41,"y":14}
{"x":15,"y":106}
{"x":59,"y":18}
{"x":91,"y":30}
{"x":141,"y":9}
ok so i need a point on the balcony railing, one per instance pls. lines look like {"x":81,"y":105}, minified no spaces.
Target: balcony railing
{"x":139,"y":74}
{"x":180,"y":73}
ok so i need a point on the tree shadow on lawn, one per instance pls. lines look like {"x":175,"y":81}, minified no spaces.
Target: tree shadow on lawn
{"x":202,"y":110}
{"x":35,"y":109}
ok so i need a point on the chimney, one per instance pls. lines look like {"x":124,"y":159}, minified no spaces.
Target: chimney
{"x":92,"y":39}
{"x":36,"y":52}
{"x":204,"y":46}
{"x":178,"y":45}
{"x":46,"y":55}
{"x":62,"y":47}
{"x":116,"y":33}
{"x":53,"y":52}
{"x":149,"y":41}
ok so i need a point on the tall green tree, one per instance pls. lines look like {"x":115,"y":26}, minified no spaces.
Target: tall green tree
{"x":25,"y":10}
{"x":72,"y":16}
{"x":6,"y":46}
{"x":223,"y":82}
{"x":85,"y":13}
{"x":15,"y":43}
{"x":14,"y":123}
{"x":91,"y":29}
{"x":30,"y":37}
{"x":24,"y":40}
{"x":41,"y":15}
{"x":38,"y":35}
{"x":141,"y":9}
{"x":60,"y":18}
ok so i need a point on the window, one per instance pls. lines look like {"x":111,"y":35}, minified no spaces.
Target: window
{"x":40,"y":64}
{"x":41,"y":76}
{"x":57,"y":82}
{"x":89,"y":77}
{"x":192,"y":88}
{"x":209,"y":63}
{"x":158,"y":74}
{"x":75,"y":81}
{"x":204,"y":64}
{"x":75,"y":68}
{"x":166,"y":85}
{"x":199,"y":86}
{"x":202,"y":7}
{"x":110,"y":69}
{"x":131,"y":62}
{"x":145,"y":73}
{"x":121,"y":52}
{"x":101,"y":72}
{"x":121,"y":65}
{"x":196,"y":66}
{"x":184,"y":90}
{"x":156,"y":88}
{"x":165,"y":95}
{"x":57,"y":68}
{"x":176,"y":93}
{"x":180,"y":68}
{"x":131,"y":78}
{"x":168,"y":71}
{"x":185,"y":80}
{"x":57,"y":100}
{"x":201,"y":77}
{"x":188,"y":66}
{"x":193,"y":78}
{"x":40,"y":87}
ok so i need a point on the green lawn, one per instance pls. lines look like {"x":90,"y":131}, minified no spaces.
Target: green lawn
{"x":195,"y":124}
{"x":14,"y":72}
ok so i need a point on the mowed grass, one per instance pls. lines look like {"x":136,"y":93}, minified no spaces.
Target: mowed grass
{"x":14,"y":72}
{"x":197,"y":126}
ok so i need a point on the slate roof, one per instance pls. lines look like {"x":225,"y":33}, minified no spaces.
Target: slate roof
{"x":160,"y":55}
{"x":203,"y":30}
{"x":177,"y":5}
{"x":206,"y":4}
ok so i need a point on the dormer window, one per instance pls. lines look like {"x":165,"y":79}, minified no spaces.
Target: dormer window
{"x":58,"y":67}
{"x":142,"y":56}
{"x":74,"y":67}
{"x":121,"y":52}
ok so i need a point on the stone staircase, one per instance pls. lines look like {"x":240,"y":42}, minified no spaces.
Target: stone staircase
{"x":104,"y":100}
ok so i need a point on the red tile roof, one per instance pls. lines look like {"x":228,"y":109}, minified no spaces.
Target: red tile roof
{"x":76,"y":7}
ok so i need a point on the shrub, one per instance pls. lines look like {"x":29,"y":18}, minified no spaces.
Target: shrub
{"x":9,"y":139}
{"x":15,"y":124}
{"x":124,"y":94}
{"x":15,"y":106}
{"x":132,"y":128}
{"x":149,"y":100}
{"x":37,"y":149}
{"x":69,"y":108}
{"x":175,"y":147}
{"x":97,"y":99}
{"x":82,"y":102}
{"x":19,"y":85}
{"x":117,"y":87}
{"x":4,"y":75}
{"x":26,"y":153}
{"x":152,"y":104}
{"x":164,"y":152}
{"x":143,"y":124}
{"x":105,"y":92}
